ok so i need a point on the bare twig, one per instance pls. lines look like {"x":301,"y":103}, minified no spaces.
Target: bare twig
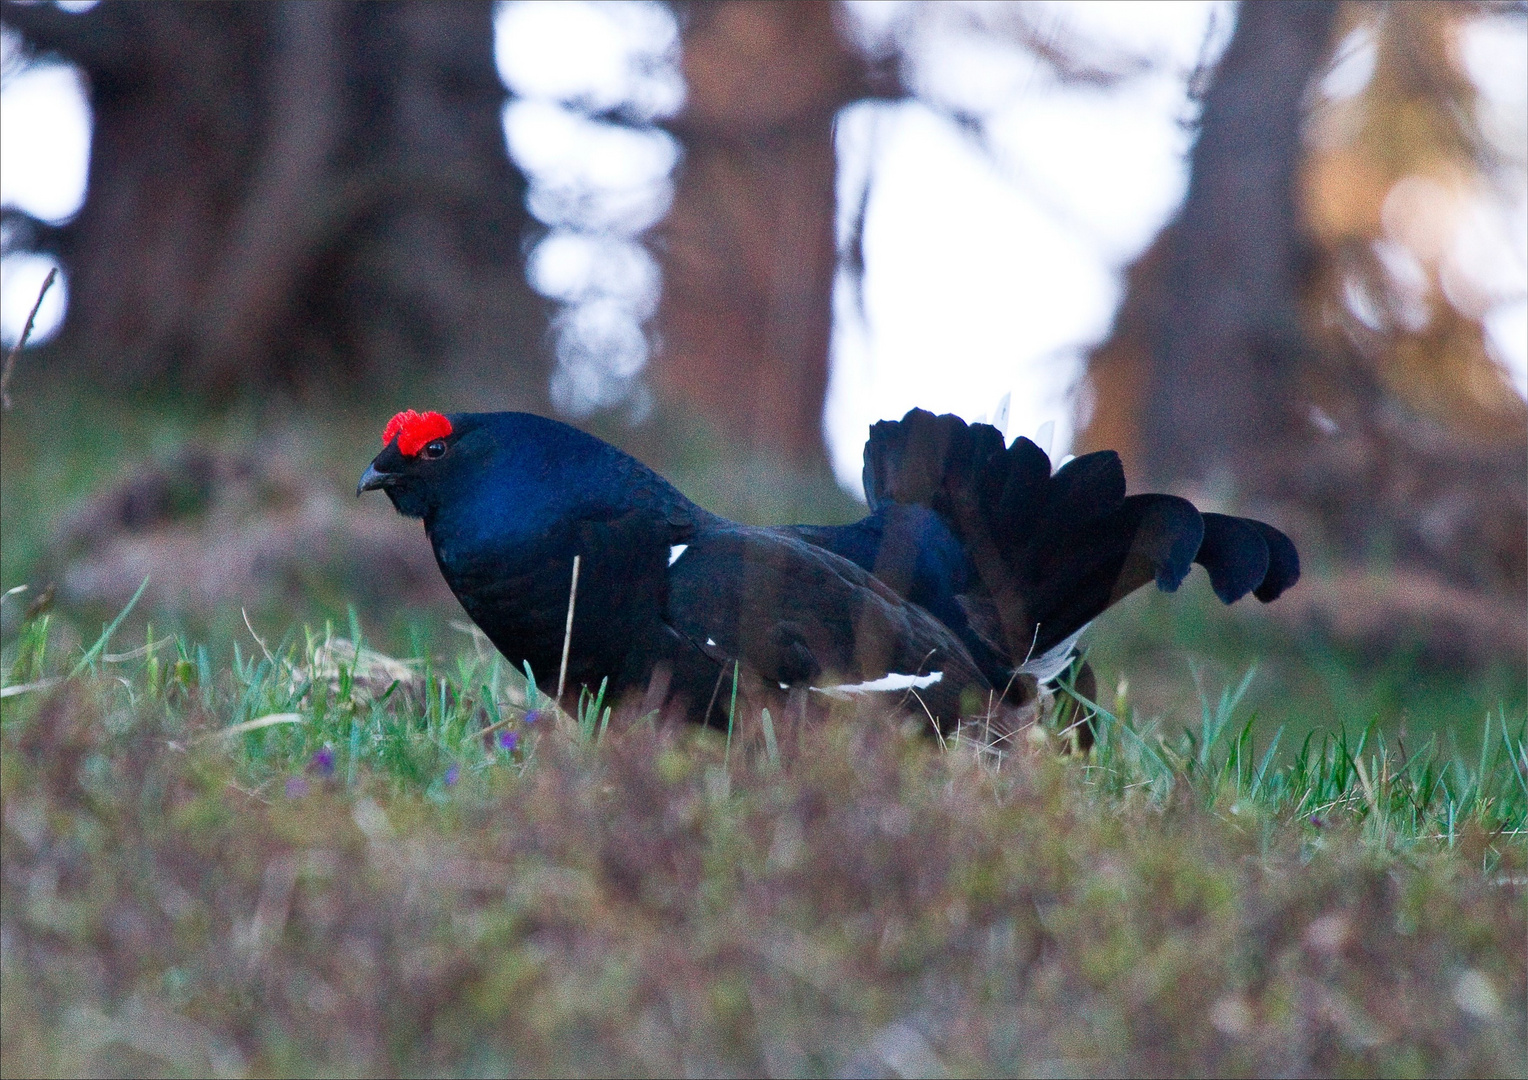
{"x":27,"y":688}
{"x":26,"y":332}
{"x":259,"y":641}
{"x":40,"y":603}
{"x":567,"y":635}
{"x":491,"y":728}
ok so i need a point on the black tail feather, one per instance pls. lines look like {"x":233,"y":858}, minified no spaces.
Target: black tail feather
{"x":1283,"y":563}
{"x":1053,"y":550}
{"x":1084,"y":489}
{"x":1235,"y":554}
{"x":1081,"y":570}
{"x":934,"y":461}
{"x":1021,"y":494}
{"x":1243,"y":555}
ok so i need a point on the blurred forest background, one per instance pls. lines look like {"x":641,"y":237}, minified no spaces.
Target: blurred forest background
{"x":301,"y":217}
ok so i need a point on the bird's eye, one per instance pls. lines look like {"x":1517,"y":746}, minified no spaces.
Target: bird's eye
{"x":433,"y":450}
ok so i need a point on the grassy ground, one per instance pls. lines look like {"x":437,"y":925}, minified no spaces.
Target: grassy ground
{"x":304,"y":858}
{"x":1161,"y":647}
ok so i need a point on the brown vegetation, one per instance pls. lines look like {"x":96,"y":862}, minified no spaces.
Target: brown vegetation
{"x":868,"y":904}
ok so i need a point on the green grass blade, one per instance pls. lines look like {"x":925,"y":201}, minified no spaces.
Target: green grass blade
{"x":1262,"y":769}
{"x":100,"y":644}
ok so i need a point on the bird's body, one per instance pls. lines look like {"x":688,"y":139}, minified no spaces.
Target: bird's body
{"x":526,"y":495}
{"x":976,"y":566}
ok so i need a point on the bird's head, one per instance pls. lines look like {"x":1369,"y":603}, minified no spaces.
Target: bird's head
{"x":416,"y":455}
{"x":489,"y":471}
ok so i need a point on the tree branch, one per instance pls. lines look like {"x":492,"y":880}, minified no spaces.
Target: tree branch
{"x":21,"y":232}
{"x":26,"y":332}
{"x":90,"y":39}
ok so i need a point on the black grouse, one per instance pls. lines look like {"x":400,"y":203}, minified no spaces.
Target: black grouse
{"x":970,"y":580}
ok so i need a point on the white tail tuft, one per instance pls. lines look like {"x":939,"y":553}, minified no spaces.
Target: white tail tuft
{"x":892,"y":681}
{"x":1045,"y":436}
{"x":1000,"y":414}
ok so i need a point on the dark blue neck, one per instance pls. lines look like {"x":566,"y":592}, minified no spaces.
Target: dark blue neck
{"x":522,"y":479}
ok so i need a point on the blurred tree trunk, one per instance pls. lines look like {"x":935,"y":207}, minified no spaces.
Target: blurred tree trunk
{"x":283,"y":190}
{"x":1235,"y":369}
{"x":1205,"y":351}
{"x":748,"y":250}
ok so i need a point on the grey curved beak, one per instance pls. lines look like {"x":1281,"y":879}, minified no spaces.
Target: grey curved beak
{"x":371,"y":480}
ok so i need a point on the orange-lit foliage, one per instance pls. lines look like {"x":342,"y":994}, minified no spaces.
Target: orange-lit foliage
{"x":1394,"y":175}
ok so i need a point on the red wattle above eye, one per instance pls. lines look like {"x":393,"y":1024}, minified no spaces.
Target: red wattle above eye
{"x":414,"y":430}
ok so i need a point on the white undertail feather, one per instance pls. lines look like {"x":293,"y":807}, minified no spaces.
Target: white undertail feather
{"x":888,"y":682}
{"x":1000,"y":415}
{"x":675,"y":551}
{"x":1044,"y":436}
{"x":1051,"y":663}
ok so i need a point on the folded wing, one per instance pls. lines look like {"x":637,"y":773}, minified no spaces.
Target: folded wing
{"x":802,"y":618}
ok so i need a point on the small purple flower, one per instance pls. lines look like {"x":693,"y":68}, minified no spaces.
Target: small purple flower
{"x":532,"y":716}
{"x":322,"y":761}
{"x":1318,"y":822}
{"x":508,"y":740}
{"x":296,"y":787}
{"x":452,"y":774}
